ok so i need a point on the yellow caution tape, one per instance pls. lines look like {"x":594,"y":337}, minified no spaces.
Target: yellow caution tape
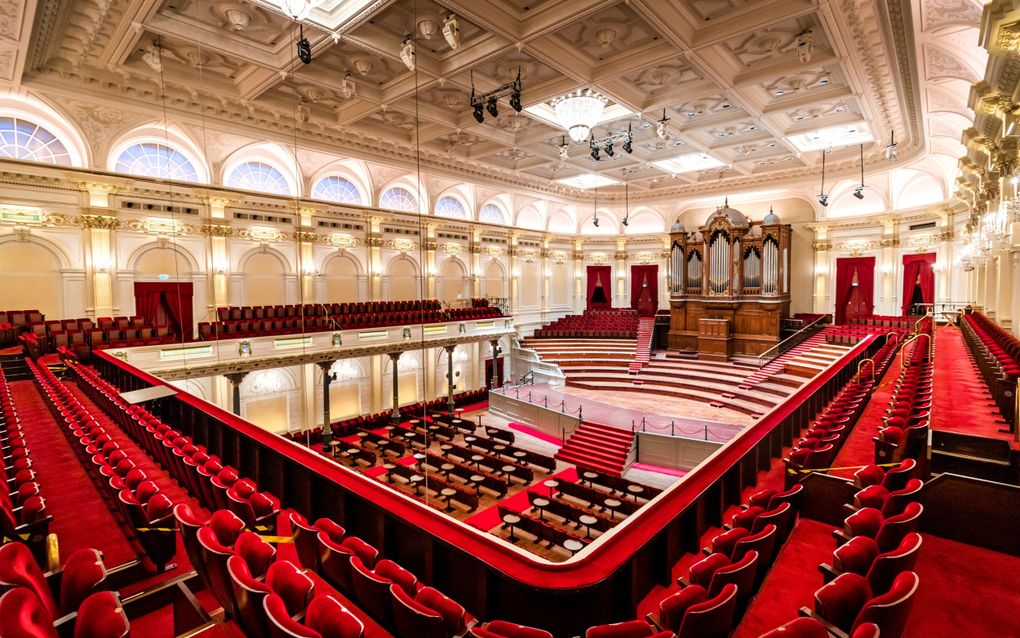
{"x":277,"y":539}
{"x":830,"y":469}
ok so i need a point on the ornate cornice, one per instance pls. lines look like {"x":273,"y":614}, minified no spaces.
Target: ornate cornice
{"x":305,"y":237}
{"x":217,"y":230}
{"x":104,"y":222}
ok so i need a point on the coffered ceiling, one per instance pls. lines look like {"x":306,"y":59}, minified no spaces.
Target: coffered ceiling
{"x":752,"y":89}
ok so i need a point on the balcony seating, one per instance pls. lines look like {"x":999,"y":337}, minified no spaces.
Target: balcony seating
{"x":694,"y":613}
{"x":504,"y":629}
{"x":847,"y":602}
{"x":602,"y":324}
{"x":257,"y":321}
{"x":101,"y":616}
{"x":22,"y":507}
{"x":888,"y":503}
{"x":428,"y":614}
{"x":628,"y":629}
{"x":894,"y":478}
{"x":810,"y":628}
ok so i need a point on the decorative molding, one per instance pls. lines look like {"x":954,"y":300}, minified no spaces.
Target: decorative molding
{"x":103,"y":222}
{"x":889,"y":242}
{"x":217,"y":230}
{"x":306,"y":237}
{"x":821,"y":246}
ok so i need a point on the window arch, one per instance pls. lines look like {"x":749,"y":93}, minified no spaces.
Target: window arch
{"x":152,"y":159}
{"x":336,"y":188}
{"x":398,"y":198}
{"x":450,"y":207}
{"x":259,"y":176}
{"x":491,"y":214}
{"x":24,"y":139}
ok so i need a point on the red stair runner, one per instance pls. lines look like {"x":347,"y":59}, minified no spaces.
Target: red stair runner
{"x":643,"y":348}
{"x":778,"y":364}
{"x":598,"y":447}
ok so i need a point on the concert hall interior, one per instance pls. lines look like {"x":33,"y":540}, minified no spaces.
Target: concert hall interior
{"x":509,"y":318}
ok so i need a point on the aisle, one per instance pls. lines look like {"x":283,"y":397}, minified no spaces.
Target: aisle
{"x":961,"y":401}
{"x":81,"y":518}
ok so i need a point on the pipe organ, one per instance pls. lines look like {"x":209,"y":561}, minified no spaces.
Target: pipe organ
{"x":733,"y":272}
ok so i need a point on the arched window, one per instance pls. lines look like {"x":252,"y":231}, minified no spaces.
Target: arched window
{"x":151,"y":159}
{"x":450,"y":207}
{"x":23,"y":139}
{"x":491,"y":214}
{"x":398,"y":198}
{"x":259,"y":176}
{"x":334,"y":188}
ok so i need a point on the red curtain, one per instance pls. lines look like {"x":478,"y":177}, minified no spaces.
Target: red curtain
{"x":638,"y":300}
{"x":864,"y":297}
{"x":166,"y":303}
{"x":597,"y":275}
{"x":918,"y":267}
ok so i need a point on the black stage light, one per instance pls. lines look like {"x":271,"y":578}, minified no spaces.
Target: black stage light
{"x":609,"y":149}
{"x":595,"y":153}
{"x":628,"y":148}
{"x":823,"y":200}
{"x":515,"y":101}
{"x":304,"y":50}
{"x":479,"y":115}
{"x":492,"y":108}
{"x":595,"y":222}
{"x":859,"y":192}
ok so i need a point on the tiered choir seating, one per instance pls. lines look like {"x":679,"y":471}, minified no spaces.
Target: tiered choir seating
{"x":15,"y":322}
{"x":605,"y":324}
{"x":904,"y":431}
{"x":856,"y":329}
{"x":22,"y":506}
{"x":997,"y":353}
{"x":253,"y":321}
{"x":83,"y":334}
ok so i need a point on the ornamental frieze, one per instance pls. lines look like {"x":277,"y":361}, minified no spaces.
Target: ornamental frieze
{"x":620,"y":255}
{"x":305,"y":236}
{"x":217,"y":230}
{"x":376,"y":242}
{"x":104,"y":222}
{"x":475,"y":249}
{"x":821,"y":246}
{"x":889,"y":242}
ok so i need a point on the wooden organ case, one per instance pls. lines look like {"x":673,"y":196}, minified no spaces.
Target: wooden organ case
{"x":729,"y":284}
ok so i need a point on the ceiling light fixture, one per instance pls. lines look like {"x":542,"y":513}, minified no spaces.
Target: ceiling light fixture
{"x":564,"y":149}
{"x":606,"y":144}
{"x":859,"y":191}
{"x":594,"y":150}
{"x":890,"y":151}
{"x":304,"y":47}
{"x":407,"y":52}
{"x":297,"y":9}
{"x":348,"y":88}
{"x":595,"y":219}
{"x":662,"y":127}
{"x":626,"y":204}
{"x":489,"y":101}
{"x":823,"y":199}
{"x":578,"y":112}
{"x":451,"y":31}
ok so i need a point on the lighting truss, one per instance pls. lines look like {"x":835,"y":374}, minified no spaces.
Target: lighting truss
{"x":604,"y":145}
{"x":481,"y":102}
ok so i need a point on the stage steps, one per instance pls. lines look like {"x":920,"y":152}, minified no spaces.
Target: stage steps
{"x":14,"y":367}
{"x":643,"y":351}
{"x":598,"y":447}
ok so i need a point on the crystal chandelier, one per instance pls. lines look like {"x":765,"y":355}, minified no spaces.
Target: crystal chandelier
{"x":578,"y":112}
{"x":297,"y":9}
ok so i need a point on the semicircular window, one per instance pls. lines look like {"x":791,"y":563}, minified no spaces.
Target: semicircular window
{"x":152,"y":159}
{"x":23,"y":139}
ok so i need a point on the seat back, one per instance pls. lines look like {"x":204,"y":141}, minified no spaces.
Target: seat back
{"x":83,"y":573}
{"x":896,"y":478}
{"x":335,"y":561}
{"x":371,"y":590}
{"x":214,"y":565}
{"x":780,"y":516}
{"x":839,"y":601}
{"x":331,"y":619}
{"x":304,"y":540}
{"x":897,"y":501}
{"x":799,"y":628}
{"x":741,"y":574}
{"x":412,"y":618}
{"x":889,"y":611}
{"x":279,"y":622}
{"x":895,"y":528}
{"x":249,"y":595}
{"x":763,"y":542}
{"x":712,"y":618}
{"x":101,"y":616}
{"x":889,"y":565}
{"x":626,"y":629}
{"x":19,"y":569}
{"x":22,"y":614}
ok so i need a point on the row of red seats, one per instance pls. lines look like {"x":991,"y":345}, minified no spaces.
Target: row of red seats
{"x":884,"y":321}
{"x":46,"y":605}
{"x":285,"y":311}
{"x":1002,"y":349}
{"x":904,"y":430}
{"x":215,"y":485}
{"x":14,"y":322}
{"x":869,"y":586}
{"x":127,"y":490}
{"x":22,"y":507}
{"x":591,"y":326}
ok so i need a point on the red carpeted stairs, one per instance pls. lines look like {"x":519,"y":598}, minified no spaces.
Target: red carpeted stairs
{"x":643,"y":349}
{"x":598,"y":447}
{"x":778,"y":364}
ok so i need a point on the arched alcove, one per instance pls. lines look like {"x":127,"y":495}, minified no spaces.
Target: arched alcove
{"x":493,"y":282}
{"x":31,"y":278}
{"x":403,"y":280}
{"x":156,"y":261}
{"x":341,"y":275}
{"x":264,"y":282}
{"x":452,"y":280}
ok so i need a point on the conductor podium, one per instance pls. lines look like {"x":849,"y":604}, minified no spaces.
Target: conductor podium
{"x":729,"y":285}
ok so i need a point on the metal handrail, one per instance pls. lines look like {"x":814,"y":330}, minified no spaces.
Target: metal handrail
{"x":903,"y":349}
{"x":791,"y":341}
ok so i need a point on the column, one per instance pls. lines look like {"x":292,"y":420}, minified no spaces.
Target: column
{"x":375,"y":265}
{"x":395,"y":414}
{"x":822,"y":246}
{"x":235,"y":379}
{"x":327,"y":378}
{"x":887,"y":270}
{"x":429,"y":267}
{"x":449,"y":377}
{"x":991,"y":279}
{"x":577,"y":300}
{"x":621,"y":298}
{"x":495,"y":357}
{"x":515,"y":274}
{"x":1014,"y":300}
{"x":981,"y":271}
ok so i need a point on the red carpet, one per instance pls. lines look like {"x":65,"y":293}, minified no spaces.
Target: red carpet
{"x":960,"y":399}
{"x":489,"y":517}
{"x":81,"y":518}
{"x":792,"y":581}
{"x":538,"y":434}
{"x":964,"y":591}
{"x":859,"y":449}
{"x":599,"y":447}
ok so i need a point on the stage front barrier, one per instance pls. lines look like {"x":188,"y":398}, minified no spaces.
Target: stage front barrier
{"x":493,"y":579}
{"x":512,"y":403}
{"x":677,"y":452}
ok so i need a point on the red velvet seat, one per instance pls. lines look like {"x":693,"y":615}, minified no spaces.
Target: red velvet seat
{"x":23,"y":615}
{"x":327,"y":616}
{"x":799,"y":628}
{"x":248,"y":594}
{"x":215,"y":557}
{"x":504,"y":629}
{"x":710,"y":618}
{"x":627,"y":629}
{"x":429,"y":614}
{"x":83,"y":573}
{"x":848,"y":603}
{"x":280,"y":624}
{"x":257,"y":553}
{"x":304,"y":540}
{"x":101,"y":616}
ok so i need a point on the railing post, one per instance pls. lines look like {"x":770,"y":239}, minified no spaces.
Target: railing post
{"x":672,"y":427}
{"x":706,"y":431}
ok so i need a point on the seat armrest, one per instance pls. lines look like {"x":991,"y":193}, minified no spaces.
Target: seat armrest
{"x":706,"y":551}
{"x":841,"y":537}
{"x":834,"y":631}
{"x":828,"y":572}
{"x":682,"y":582}
{"x":653,"y":620}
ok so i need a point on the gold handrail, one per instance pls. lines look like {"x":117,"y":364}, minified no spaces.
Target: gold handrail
{"x":914,"y":329}
{"x":860,"y":364}
{"x":895,"y":336}
{"x":903,"y":348}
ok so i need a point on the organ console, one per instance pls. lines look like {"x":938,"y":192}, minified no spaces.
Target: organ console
{"x":729,"y":269}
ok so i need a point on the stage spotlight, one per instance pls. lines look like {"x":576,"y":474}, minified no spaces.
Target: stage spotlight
{"x":515,"y":101}
{"x":595,"y":153}
{"x":859,"y":192}
{"x":595,"y":222}
{"x":628,"y":148}
{"x":492,"y":108}
{"x":609,"y":149}
{"x":823,"y":200}
{"x":451,"y":31}
{"x":626,"y":221}
{"x":479,"y":114}
{"x":564,"y":149}
{"x":407,"y":53}
{"x":304,"y":48}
